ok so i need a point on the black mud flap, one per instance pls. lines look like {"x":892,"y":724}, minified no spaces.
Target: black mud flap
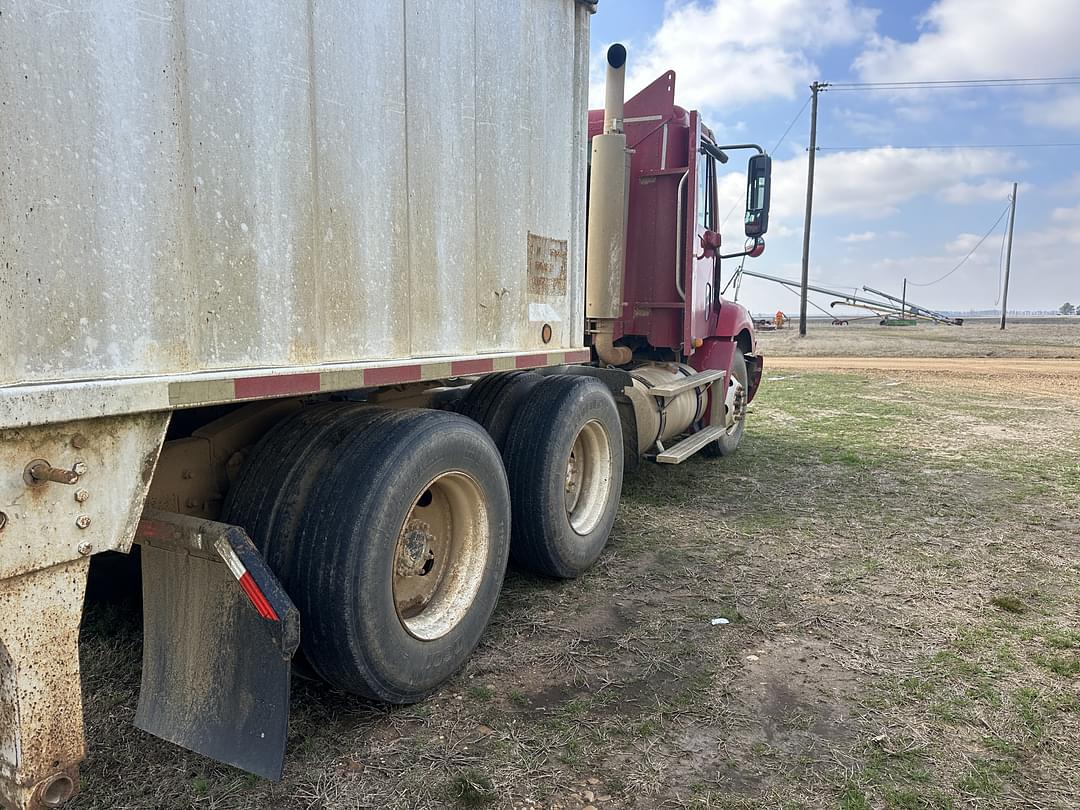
{"x":219,"y":634}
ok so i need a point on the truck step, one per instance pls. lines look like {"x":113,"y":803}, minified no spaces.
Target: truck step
{"x":678,"y":453}
{"x":686,"y":383}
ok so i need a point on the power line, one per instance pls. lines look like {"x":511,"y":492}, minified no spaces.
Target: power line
{"x":949,"y":84}
{"x":792,"y":123}
{"x":798,"y":115}
{"x":1001,"y":266}
{"x":950,"y":146}
{"x":969,"y":253}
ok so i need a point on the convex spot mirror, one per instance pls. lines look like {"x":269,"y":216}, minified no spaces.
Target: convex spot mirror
{"x":758,"y":180}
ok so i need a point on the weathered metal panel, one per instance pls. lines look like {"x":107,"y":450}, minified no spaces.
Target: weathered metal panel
{"x":362,"y":242}
{"x":46,"y":523}
{"x":191,"y":186}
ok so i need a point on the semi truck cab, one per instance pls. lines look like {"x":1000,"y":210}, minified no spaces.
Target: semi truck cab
{"x":654,"y":279}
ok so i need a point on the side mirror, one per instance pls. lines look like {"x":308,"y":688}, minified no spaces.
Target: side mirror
{"x":758,"y":178}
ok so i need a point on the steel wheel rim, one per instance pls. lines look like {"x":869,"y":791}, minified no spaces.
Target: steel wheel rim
{"x":588,"y":478}
{"x":440,"y":556}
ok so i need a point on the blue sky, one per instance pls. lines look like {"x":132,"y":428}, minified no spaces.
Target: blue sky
{"x":883,"y":212}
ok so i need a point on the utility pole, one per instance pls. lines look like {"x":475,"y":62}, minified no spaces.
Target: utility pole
{"x":1008,"y":257}
{"x":815,"y":88}
{"x":903,"y":301}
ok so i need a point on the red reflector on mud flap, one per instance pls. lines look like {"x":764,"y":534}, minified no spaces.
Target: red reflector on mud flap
{"x":256,"y":596}
{"x":246,"y":580}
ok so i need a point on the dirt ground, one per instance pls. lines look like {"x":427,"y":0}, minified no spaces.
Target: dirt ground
{"x":1004,"y":374}
{"x":894,"y":550}
{"x":982,"y":337}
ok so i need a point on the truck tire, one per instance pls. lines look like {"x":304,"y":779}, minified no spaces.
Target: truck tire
{"x":564,"y":461}
{"x":401,"y":554}
{"x":729,"y":442}
{"x":271,"y":492}
{"x":494,"y":399}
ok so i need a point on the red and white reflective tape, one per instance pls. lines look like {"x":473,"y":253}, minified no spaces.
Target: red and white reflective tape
{"x":247,"y":582}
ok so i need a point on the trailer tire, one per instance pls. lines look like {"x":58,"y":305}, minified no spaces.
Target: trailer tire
{"x":270,"y":494}
{"x":416,"y":494}
{"x":729,"y":442}
{"x":564,"y":461}
{"x":494,"y":400}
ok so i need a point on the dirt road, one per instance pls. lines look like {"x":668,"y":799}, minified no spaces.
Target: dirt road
{"x":1060,"y":377}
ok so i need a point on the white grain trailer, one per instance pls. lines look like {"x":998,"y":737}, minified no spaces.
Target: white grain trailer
{"x":258,"y":267}
{"x":210,"y":203}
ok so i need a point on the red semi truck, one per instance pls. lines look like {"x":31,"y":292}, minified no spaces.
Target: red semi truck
{"x":325,"y":336}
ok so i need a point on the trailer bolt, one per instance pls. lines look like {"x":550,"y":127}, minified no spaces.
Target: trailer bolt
{"x":3,"y":520}
{"x":79,"y":468}
{"x":78,"y":441}
{"x":39,"y":471}
{"x":85,"y":548}
{"x":81,"y":495}
{"x":82,"y":521}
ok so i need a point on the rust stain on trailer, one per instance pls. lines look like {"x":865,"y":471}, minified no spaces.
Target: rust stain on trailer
{"x":41,"y":735}
{"x":547,"y":266}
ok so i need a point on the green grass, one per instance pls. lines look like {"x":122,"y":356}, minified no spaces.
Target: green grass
{"x":471,"y":788}
{"x":1009,"y":603}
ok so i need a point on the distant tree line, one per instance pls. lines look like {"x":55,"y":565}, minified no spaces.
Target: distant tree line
{"x":1069,"y":309}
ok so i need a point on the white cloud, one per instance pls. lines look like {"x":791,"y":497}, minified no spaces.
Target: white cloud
{"x":854,"y":238}
{"x":962,"y":243}
{"x":737,"y":51}
{"x":985,"y":39}
{"x":972,"y":39}
{"x":987,"y":191}
{"x":868,"y":184}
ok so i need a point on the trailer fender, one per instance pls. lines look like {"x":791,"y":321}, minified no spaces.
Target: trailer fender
{"x":219,"y":634}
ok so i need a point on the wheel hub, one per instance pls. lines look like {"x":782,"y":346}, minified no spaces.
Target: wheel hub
{"x":734,"y":403}
{"x":573,"y":481}
{"x":439,"y":559}
{"x":415,"y":551}
{"x":588,"y":478}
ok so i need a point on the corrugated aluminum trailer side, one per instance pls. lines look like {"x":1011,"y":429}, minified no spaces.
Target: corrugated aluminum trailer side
{"x":208,"y":203}
{"x":195,"y":186}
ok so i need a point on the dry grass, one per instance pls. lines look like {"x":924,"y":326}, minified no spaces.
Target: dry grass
{"x":899,"y":567}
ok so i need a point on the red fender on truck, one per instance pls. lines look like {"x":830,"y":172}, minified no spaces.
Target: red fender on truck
{"x":734,"y":329}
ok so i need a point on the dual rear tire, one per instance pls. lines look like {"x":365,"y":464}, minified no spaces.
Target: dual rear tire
{"x":391,"y":529}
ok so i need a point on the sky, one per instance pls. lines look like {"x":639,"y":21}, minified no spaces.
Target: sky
{"x":883,"y":210}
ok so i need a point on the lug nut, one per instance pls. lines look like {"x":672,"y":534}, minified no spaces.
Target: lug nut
{"x":82,"y":521}
{"x":85,"y":548}
{"x":79,"y":468}
{"x":81,"y":495}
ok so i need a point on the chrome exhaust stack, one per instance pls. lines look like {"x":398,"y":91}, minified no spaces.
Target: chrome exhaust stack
{"x":609,"y":194}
